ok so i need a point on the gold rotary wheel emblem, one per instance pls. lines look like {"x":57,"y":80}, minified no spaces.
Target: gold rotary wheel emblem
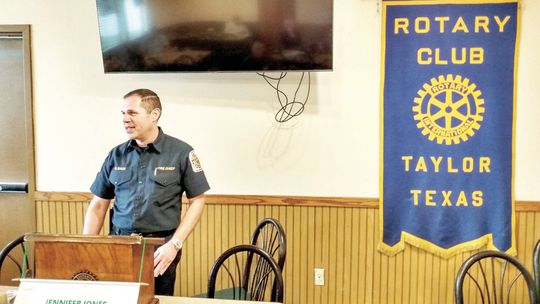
{"x":84,"y":275}
{"x":448,"y":109}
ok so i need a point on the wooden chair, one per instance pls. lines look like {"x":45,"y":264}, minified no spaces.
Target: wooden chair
{"x":243,"y":272}
{"x":18,"y":259}
{"x":491,"y":275}
{"x":270,"y":236}
{"x":536,"y":268}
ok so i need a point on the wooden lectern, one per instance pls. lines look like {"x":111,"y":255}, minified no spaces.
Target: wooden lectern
{"x":100,"y":258}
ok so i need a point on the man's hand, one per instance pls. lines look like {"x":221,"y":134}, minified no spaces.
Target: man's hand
{"x":165,"y":254}
{"x":163,"y":257}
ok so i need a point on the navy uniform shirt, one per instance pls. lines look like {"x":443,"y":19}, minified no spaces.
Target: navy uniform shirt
{"x":148,"y":183}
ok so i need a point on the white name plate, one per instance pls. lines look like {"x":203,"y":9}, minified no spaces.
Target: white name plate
{"x":38,"y":291}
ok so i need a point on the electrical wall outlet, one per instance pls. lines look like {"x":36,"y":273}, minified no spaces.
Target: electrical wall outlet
{"x":319,"y":276}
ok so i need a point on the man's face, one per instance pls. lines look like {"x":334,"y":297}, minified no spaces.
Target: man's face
{"x":138,"y":123}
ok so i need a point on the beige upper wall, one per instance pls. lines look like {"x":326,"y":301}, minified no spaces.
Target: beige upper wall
{"x":330,"y":150}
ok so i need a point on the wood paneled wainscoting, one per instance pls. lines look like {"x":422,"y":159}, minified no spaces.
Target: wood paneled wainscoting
{"x":337,"y":234}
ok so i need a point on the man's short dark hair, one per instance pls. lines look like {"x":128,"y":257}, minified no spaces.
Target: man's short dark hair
{"x":149,"y":99}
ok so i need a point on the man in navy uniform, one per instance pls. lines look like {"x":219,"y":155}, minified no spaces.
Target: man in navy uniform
{"x":147,"y":176}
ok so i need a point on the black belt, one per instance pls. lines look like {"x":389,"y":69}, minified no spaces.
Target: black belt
{"x":159,"y":234}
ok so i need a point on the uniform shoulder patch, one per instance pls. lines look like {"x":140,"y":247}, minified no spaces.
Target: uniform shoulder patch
{"x":195,"y":162}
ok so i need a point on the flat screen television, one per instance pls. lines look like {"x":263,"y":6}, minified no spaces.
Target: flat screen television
{"x":215,"y":35}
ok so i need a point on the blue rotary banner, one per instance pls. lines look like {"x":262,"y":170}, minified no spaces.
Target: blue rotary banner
{"x":447,"y":125}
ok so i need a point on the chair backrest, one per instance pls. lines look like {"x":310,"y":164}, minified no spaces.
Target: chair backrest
{"x":491,"y":276}
{"x":8,"y":252}
{"x":536,"y":267}
{"x":245,"y":271}
{"x":270,"y":236}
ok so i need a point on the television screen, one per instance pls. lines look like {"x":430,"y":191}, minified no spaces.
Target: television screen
{"x":215,"y":35}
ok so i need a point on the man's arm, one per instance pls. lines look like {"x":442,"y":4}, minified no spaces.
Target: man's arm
{"x":165,"y":254}
{"x":95,"y":215}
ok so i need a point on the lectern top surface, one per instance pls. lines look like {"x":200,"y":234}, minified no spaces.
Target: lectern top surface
{"x":79,"y":238}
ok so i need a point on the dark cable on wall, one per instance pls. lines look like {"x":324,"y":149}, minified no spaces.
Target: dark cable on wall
{"x":289,"y":108}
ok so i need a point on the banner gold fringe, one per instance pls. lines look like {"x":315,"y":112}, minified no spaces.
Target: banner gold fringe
{"x":484,"y":241}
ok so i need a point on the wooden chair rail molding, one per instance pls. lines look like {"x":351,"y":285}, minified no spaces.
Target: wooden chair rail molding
{"x":266,"y":200}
